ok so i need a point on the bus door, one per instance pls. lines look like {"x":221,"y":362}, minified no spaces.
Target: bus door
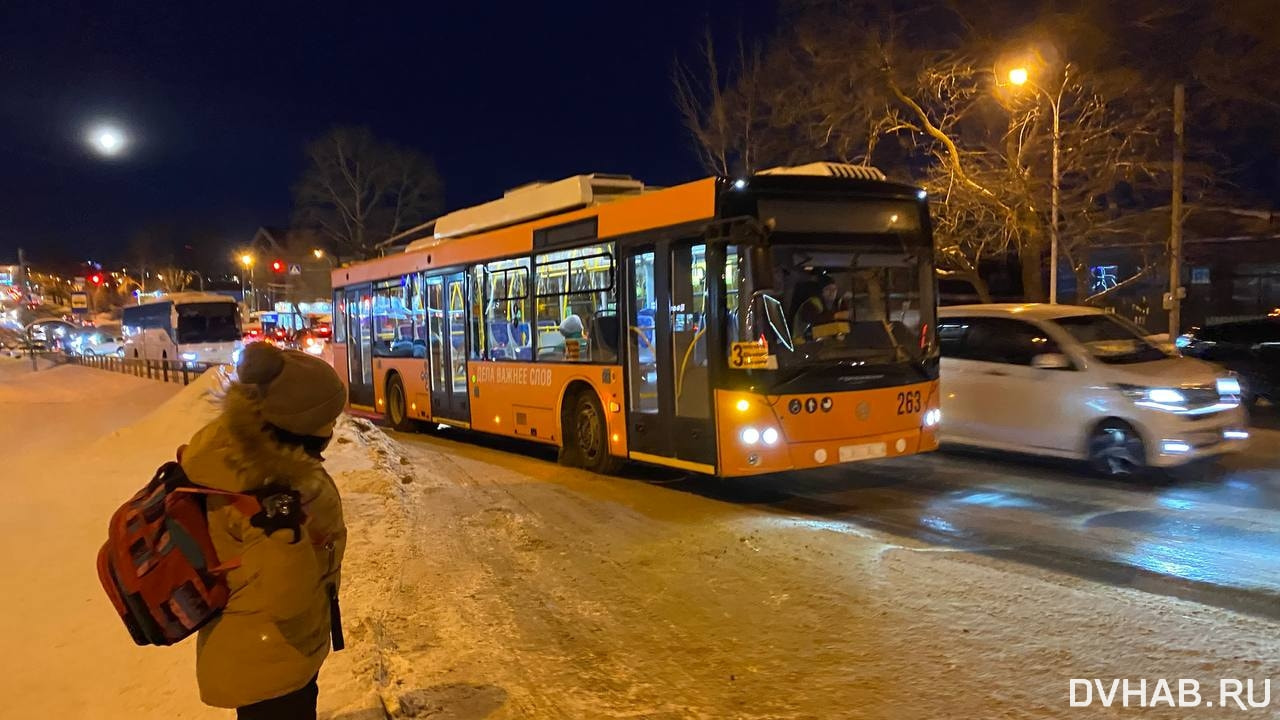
{"x":669,"y":413}
{"x":359,"y":302}
{"x":447,"y":357}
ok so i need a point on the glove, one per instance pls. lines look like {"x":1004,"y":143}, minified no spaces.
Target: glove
{"x":281,"y":510}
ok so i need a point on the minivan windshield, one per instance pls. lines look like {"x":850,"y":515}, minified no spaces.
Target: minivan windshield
{"x":1111,"y":340}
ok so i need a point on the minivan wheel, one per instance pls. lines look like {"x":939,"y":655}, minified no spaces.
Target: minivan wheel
{"x":1116,"y":450}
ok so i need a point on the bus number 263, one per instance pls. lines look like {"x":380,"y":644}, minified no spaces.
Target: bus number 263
{"x":909,"y":402}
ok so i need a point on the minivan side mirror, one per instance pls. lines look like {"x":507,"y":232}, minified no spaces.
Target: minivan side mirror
{"x":1052,"y":361}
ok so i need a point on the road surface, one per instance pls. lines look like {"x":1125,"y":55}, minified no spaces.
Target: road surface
{"x":946,"y":586}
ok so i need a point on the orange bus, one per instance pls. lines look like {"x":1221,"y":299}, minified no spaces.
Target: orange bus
{"x":730,"y":327}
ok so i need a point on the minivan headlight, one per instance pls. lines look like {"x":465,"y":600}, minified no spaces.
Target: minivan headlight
{"x":1157,"y":397}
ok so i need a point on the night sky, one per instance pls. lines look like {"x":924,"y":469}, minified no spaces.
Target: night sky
{"x":221,"y":98}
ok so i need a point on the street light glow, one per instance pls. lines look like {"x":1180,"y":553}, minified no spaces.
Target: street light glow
{"x":318,"y":253}
{"x":246,"y":260}
{"x":1018,"y":76}
{"x":107,"y":140}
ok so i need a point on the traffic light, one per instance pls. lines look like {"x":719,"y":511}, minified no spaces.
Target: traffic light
{"x":96,"y":278}
{"x":277,"y":266}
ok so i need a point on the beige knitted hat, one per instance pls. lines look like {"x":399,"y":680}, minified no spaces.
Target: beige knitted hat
{"x":300,"y":392}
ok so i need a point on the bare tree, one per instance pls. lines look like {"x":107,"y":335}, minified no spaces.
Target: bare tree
{"x":173,"y":279}
{"x":721,"y":110}
{"x":914,"y":90}
{"x":358,"y":191}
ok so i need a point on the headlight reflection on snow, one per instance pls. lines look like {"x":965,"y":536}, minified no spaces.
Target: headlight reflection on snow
{"x":997,"y":499}
{"x":933,"y":522}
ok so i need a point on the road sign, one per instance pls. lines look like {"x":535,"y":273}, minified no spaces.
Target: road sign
{"x":80,"y":283}
{"x":295,"y":269}
{"x":79,"y":303}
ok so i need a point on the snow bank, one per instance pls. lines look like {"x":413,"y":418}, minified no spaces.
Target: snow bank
{"x":86,"y":440}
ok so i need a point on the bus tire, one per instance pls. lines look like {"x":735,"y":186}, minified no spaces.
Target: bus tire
{"x":398,"y":406}
{"x":586,"y":436}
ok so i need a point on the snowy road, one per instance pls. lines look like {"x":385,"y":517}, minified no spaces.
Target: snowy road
{"x":1214,"y":539}
{"x":534,"y":591}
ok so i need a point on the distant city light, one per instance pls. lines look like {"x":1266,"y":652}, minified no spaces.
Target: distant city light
{"x":107,"y":139}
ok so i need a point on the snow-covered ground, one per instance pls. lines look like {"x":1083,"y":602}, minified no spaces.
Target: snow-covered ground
{"x":487,"y":584}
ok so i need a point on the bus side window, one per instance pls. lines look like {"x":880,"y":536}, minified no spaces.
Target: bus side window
{"x":577,"y":308}
{"x":506,"y":309}
{"x":643,"y":361}
{"x":688,"y":330}
{"x":339,"y":324}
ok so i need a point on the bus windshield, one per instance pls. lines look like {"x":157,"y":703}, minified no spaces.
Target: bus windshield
{"x":208,"y":322}
{"x":852,"y":283}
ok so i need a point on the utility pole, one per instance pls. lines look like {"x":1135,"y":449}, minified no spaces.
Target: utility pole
{"x":1053,"y":213}
{"x":26,"y":301}
{"x":1174,"y":302}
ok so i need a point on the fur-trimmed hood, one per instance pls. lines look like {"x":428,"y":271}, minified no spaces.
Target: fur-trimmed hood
{"x":237,"y":452}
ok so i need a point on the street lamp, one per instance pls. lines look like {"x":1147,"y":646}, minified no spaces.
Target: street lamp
{"x":246,"y":260}
{"x":1021,"y":77}
{"x":322,"y":255}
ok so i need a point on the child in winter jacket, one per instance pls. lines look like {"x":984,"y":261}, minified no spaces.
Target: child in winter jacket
{"x":263,"y":653}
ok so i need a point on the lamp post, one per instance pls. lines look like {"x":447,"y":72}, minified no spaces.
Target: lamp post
{"x":1020,"y":76}
{"x":247,"y":261}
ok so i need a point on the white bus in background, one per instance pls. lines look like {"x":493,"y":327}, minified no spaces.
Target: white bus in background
{"x":187,"y":327}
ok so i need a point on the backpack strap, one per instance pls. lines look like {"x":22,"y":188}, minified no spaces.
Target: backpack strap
{"x":247,"y":504}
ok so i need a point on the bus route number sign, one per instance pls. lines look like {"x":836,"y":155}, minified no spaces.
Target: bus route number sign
{"x":750,"y":356}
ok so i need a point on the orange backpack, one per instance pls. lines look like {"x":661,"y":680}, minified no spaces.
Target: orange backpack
{"x":158,"y":564}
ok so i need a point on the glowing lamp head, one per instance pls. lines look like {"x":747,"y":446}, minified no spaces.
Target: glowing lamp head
{"x":1019,"y":76}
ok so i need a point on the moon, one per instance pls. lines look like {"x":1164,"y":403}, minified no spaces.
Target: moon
{"x":107,"y":139}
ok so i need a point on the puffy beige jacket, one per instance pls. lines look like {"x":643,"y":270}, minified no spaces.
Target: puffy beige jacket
{"x":273,"y":636}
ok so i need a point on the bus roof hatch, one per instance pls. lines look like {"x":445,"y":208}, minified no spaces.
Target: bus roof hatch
{"x":535,"y":200}
{"x":830,"y":169}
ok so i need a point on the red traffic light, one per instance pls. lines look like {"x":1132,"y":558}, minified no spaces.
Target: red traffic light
{"x":96,"y":278}
{"x":277,"y":266}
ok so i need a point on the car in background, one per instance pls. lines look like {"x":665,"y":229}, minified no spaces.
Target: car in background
{"x":252,"y":332}
{"x":1076,"y":382}
{"x":102,"y":340}
{"x":1249,"y":348}
{"x":311,"y":341}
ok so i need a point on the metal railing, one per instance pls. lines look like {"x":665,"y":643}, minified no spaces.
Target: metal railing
{"x":175,"y":371}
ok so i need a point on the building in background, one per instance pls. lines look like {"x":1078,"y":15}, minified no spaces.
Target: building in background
{"x":288,"y":277}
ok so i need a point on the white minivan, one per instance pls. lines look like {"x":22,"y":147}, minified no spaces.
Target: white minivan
{"x":1076,"y":382}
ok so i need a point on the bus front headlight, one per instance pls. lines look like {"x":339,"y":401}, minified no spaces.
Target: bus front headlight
{"x":750,"y":436}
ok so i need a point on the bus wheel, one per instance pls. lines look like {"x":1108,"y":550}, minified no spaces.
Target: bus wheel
{"x":586,"y":437}
{"x":397,"y":407}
